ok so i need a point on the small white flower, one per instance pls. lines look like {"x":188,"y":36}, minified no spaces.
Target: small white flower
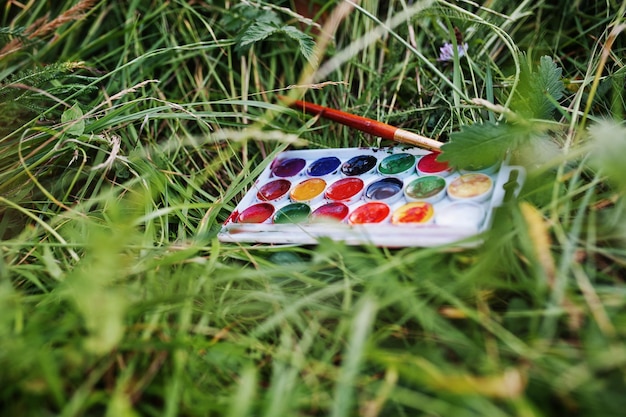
{"x":446,"y":52}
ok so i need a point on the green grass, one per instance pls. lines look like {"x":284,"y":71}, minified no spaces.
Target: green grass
{"x":129,"y":131}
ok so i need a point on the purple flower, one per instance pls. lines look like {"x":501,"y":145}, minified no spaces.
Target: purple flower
{"x":446,"y":52}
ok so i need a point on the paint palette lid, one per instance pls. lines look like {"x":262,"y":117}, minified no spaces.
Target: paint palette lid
{"x":394,"y":197}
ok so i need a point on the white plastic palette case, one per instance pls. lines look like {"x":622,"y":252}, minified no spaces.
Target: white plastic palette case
{"x":390,"y":196}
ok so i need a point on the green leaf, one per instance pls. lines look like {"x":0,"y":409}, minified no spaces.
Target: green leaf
{"x":305,"y":42}
{"x":482,"y":145}
{"x":254,"y":25}
{"x":243,"y":15}
{"x":259,"y":31}
{"x":550,"y":78}
{"x":73,"y":117}
{"x":538,"y":90}
{"x":256,"y":32}
{"x":479,"y":145}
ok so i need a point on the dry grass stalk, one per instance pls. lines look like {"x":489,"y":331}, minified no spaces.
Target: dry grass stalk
{"x":40,"y":29}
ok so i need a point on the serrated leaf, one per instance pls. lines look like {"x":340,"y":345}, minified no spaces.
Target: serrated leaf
{"x":73,"y":118}
{"x":479,"y":145}
{"x":538,"y":90}
{"x":306,"y":43}
{"x":256,"y":32}
{"x":259,"y":31}
{"x":244,"y":14}
{"x":550,"y":77}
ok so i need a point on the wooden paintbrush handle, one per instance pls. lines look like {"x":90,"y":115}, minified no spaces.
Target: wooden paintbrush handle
{"x":364,"y":124}
{"x":361,"y":123}
{"x":405,"y":136}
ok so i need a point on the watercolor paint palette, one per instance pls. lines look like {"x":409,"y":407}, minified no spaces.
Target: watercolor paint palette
{"x":390,"y":196}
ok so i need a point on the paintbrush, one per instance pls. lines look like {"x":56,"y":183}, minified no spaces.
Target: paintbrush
{"x":364,"y":124}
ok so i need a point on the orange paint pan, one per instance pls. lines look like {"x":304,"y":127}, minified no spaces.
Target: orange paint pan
{"x":366,"y":125}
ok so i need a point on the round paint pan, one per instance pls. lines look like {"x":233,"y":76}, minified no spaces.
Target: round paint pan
{"x":358,"y":165}
{"x":372,"y":212}
{"x":308,"y":191}
{"x":292,"y":213}
{"x":346,"y":190}
{"x":429,"y":188}
{"x":289,"y":167}
{"x":275,"y":190}
{"x":428,"y":165}
{"x":418,"y":212}
{"x":460,"y":214}
{"x":388,"y":190}
{"x":323,"y":167}
{"x":475,"y":187}
{"x":256,"y":213}
{"x":397,"y":165}
{"x":332,"y":212}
